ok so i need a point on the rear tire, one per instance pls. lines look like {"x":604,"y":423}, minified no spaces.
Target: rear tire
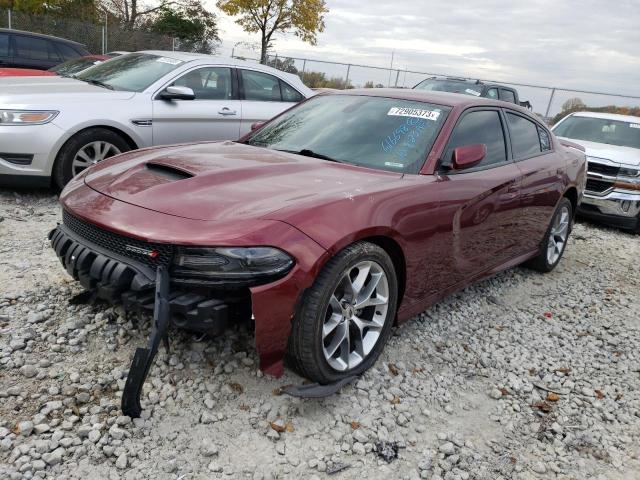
{"x":555,"y":239}
{"x":346,"y":316}
{"x":85,"y":149}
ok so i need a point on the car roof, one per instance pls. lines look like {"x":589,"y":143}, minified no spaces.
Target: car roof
{"x":608,"y":116}
{"x":39,"y":35}
{"x":194,"y":57}
{"x":438,"y":98}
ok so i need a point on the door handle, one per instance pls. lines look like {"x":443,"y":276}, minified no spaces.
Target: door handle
{"x":227,"y":111}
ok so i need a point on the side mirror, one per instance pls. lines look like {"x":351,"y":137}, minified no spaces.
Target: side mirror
{"x":468,"y":156}
{"x":177,"y":93}
{"x":257,"y":125}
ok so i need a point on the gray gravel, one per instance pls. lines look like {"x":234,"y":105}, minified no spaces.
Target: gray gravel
{"x":524,"y":376}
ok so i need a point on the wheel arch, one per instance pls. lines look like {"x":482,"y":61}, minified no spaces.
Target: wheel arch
{"x":572,"y":195}
{"x":394,"y":250}
{"x":387,"y":239}
{"x":128,"y":138}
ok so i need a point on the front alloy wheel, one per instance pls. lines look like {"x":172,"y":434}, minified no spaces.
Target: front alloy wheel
{"x":345,"y":317}
{"x":355,"y":316}
{"x":91,"y":154}
{"x":85,"y":149}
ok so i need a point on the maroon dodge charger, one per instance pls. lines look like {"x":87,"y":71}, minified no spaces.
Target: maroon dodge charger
{"x":326,"y":226}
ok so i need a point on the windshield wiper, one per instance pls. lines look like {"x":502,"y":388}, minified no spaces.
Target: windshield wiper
{"x":96,"y":82}
{"x":310,"y":153}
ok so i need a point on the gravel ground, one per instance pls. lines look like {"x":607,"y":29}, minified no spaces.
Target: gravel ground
{"x":522,"y":376}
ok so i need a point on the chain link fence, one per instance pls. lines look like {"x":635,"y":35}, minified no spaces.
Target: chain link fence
{"x":98,"y":37}
{"x":546,"y":101}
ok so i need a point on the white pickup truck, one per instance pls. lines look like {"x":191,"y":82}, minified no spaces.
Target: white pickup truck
{"x":612,"y":144}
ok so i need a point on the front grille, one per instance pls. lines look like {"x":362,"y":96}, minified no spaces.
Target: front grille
{"x":603,"y":169}
{"x":119,"y":244}
{"x":598,"y":186}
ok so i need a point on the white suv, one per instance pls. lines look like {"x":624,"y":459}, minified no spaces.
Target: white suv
{"x":612,"y":144}
{"x":52,"y":127}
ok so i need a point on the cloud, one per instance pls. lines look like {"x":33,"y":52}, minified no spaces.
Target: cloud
{"x":586,"y":45}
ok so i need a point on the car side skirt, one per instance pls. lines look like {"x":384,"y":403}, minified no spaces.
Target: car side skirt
{"x":407,"y":312}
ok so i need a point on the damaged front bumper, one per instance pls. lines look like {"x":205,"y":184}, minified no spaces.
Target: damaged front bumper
{"x":117,"y":268}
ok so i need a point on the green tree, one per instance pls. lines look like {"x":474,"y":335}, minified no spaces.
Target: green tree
{"x":304,"y":17}
{"x":195,"y":28}
{"x":85,"y":10}
{"x":132,"y":13}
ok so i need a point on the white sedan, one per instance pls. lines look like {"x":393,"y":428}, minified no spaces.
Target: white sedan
{"x":53,"y":128}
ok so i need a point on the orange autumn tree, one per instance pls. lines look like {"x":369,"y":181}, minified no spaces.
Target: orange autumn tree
{"x":304,"y":17}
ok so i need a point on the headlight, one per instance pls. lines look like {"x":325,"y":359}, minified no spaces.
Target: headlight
{"x":26,"y":117}
{"x":628,"y":172}
{"x":628,"y":179}
{"x":247,"y":265}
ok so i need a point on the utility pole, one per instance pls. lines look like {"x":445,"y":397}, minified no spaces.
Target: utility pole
{"x":391,"y":68}
{"x":9,"y":13}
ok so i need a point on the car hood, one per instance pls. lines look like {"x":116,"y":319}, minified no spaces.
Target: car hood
{"x":31,"y":92}
{"x":623,"y":155}
{"x":228,"y":180}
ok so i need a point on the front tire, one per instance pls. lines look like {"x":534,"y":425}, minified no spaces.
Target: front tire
{"x":555,"y":240}
{"x":84,"y":150}
{"x":345,"y":318}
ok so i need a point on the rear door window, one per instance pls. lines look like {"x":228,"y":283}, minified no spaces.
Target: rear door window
{"x":483,"y":126}
{"x":4,"y":45}
{"x":260,"y":86}
{"x":545,"y":141}
{"x":525,"y":137}
{"x":33,"y":48}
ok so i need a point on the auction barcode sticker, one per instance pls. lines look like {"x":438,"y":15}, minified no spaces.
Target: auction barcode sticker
{"x":634,"y":125}
{"x":414,"y":112}
{"x":473,"y":92}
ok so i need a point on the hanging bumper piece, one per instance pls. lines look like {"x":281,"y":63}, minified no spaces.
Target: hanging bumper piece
{"x":143,"y":358}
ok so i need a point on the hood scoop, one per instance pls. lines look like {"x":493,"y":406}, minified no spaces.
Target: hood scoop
{"x":168,"y":171}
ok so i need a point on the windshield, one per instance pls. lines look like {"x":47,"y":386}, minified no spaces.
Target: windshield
{"x":375,"y":132}
{"x":453,"y":86}
{"x":133,"y":72}
{"x":600,"y":130}
{"x":76,"y":65}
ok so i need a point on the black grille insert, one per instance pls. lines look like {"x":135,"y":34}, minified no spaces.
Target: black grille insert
{"x":598,"y":186}
{"x":603,"y":169}
{"x":151,"y":254}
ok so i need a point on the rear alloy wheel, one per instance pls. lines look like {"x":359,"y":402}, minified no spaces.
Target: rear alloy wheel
{"x":345,"y":318}
{"x":84,"y":150}
{"x":558,"y":235}
{"x":555,"y":240}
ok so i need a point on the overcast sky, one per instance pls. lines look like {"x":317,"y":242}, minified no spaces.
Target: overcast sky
{"x":587,"y":44}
